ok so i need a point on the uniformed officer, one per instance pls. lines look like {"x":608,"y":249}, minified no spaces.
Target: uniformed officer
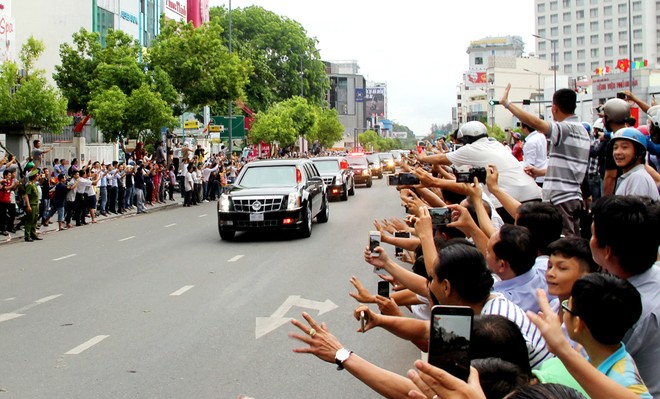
{"x":32,"y":207}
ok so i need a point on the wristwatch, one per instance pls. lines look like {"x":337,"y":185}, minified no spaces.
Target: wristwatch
{"x":341,"y":356}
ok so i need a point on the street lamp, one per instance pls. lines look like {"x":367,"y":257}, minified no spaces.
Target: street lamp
{"x":554,"y":55}
{"x":538,"y":76}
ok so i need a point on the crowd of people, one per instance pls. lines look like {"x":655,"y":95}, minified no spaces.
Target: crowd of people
{"x":554,"y":251}
{"x":70,"y":193}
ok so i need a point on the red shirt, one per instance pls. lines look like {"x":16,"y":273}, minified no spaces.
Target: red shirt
{"x":517,"y":151}
{"x":5,"y":192}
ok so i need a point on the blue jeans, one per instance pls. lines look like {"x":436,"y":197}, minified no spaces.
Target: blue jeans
{"x":128,"y":197}
{"x":103,"y":193}
{"x":45,"y":209}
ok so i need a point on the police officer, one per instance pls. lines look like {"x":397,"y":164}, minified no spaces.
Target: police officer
{"x":32,"y":206}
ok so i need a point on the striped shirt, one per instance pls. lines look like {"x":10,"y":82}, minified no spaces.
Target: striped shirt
{"x":500,"y":306}
{"x":567,"y":164}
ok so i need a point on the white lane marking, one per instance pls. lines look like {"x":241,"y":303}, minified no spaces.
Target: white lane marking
{"x":235,"y":258}
{"x":201,"y":216}
{"x":170,"y":225}
{"x":127,"y":238}
{"x":181,"y":290}
{"x":9,"y":316}
{"x":64,"y":257}
{"x":48,"y":298}
{"x":10,"y":299}
{"x":84,"y":346}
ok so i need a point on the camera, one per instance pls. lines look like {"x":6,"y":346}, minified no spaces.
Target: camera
{"x":402,"y":179}
{"x":621,"y":95}
{"x":468,"y":177}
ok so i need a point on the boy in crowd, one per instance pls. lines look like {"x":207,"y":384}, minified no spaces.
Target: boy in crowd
{"x":588,"y":314}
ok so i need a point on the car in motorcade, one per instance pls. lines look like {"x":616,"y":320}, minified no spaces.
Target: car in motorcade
{"x":397,"y":155}
{"x":337,"y":176}
{"x":376,"y":169}
{"x":280,"y":194}
{"x":361,"y":169}
{"x":387,"y":162}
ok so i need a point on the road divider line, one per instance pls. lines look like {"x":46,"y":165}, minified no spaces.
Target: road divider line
{"x":171,"y":224}
{"x":201,"y":216}
{"x":48,"y":298}
{"x":127,"y":238}
{"x":64,"y":257}
{"x":235,"y":258}
{"x":181,"y":290}
{"x":9,"y":316}
{"x":84,"y":346}
{"x":10,"y":299}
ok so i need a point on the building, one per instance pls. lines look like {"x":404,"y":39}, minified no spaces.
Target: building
{"x":347,"y":95}
{"x":586,"y":35}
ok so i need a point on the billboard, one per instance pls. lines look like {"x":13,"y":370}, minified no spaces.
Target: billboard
{"x":176,"y":10}
{"x":375,"y":101}
{"x":475,"y":79}
{"x":7,"y":32}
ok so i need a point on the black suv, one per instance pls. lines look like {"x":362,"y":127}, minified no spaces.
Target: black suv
{"x":274,"y":194}
{"x":337,"y":175}
{"x":361,"y":169}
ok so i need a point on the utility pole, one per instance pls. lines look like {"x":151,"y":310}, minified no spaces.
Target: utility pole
{"x":231,"y":120}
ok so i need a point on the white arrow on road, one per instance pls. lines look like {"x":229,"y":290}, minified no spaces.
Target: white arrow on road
{"x":277,"y":319}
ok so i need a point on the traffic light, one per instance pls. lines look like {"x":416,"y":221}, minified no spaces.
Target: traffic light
{"x":493,"y":103}
{"x":527,"y":102}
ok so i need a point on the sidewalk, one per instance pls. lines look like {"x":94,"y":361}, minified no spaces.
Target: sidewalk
{"x":52,"y":227}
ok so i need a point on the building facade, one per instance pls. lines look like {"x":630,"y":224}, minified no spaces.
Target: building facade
{"x":347,"y":95}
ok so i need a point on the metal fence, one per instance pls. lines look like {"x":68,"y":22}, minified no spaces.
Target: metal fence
{"x":89,"y":132}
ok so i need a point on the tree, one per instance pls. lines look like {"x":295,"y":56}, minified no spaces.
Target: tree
{"x":285,"y":121}
{"x":198,"y":64}
{"x":368,"y":138}
{"x":279,"y":50}
{"x":329,"y":129}
{"x":27,"y":101}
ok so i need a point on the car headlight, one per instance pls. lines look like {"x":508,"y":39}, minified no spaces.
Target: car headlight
{"x":294,"y":201}
{"x":390,"y":162}
{"x":224,"y":203}
{"x":365,"y":172}
{"x":376,"y":166}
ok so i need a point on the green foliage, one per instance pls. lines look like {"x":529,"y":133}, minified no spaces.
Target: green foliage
{"x":109,"y":110}
{"x":29,"y":102}
{"x":277,"y":48}
{"x":368,"y":139}
{"x":147,"y":111}
{"x":198,"y":64}
{"x":284,"y":122}
{"x":496,"y":132}
{"x":330,"y":130}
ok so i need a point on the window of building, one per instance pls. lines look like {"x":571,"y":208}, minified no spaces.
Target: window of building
{"x":540,"y":7}
{"x":607,"y":24}
{"x":568,"y":68}
{"x":593,"y":13}
{"x":637,"y":48}
{"x":580,"y":67}
{"x":621,"y":8}
{"x":593,"y":26}
{"x":607,"y":11}
{"x":594,"y":52}
{"x":339,"y":94}
{"x":609,"y":63}
{"x":623,"y":49}
{"x":579,"y":3}
{"x":623,"y":36}
{"x":579,"y":28}
{"x":566,"y":3}
{"x":579,"y":41}
{"x":594,"y":65}
{"x":554,"y":19}
{"x":541,"y":32}
{"x":541,"y":20}
{"x":478,"y":60}
{"x":579,"y":14}
{"x":623,"y":22}
{"x":567,"y":29}
{"x":568,"y":56}
{"x":593,"y":39}
{"x":566,"y":16}
{"x":580,"y":54}
{"x":637,"y":34}
{"x":567,"y":43}
{"x":150,"y":33}
{"x":553,"y":5}
{"x":105,"y":21}
{"x":637,"y":5}
{"x":542,"y":46}
{"x":608,"y":51}
{"x":607,"y":38}
{"x":637,"y":20}
{"x":554,"y":31}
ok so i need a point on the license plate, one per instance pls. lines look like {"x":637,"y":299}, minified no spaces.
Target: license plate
{"x":256,"y":217}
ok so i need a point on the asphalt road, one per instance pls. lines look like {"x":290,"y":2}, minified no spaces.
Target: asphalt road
{"x":156,"y":306}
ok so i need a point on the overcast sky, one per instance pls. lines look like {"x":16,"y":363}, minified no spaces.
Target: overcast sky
{"x":417,"y":47}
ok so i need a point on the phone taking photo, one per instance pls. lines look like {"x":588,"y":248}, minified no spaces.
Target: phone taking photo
{"x":363,"y":320}
{"x":398,"y":251}
{"x":384,"y":289}
{"x":374,"y":241}
{"x":449,"y":342}
{"x":440,"y":216}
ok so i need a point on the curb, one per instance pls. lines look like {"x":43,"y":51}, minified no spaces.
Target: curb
{"x":52,"y":228}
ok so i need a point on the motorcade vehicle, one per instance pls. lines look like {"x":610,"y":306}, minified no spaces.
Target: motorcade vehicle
{"x":337,"y":176}
{"x":376,"y":169}
{"x":281,"y":194}
{"x":361,"y":169}
{"x":387,"y":162}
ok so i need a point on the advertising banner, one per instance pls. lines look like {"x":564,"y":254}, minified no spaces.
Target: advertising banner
{"x":7,"y":32}
{"x":476,"y":79}
{"x":176,"y":10}
{"x":128,"y":17}
{"x":375,"y":101}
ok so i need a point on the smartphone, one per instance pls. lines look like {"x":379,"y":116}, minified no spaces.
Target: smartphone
{"x":393,"y":180}
{"x":440,"y":216}
{"x":374,"y":241}
{"x":398,"y":251}
{"x":363,"y":320}
{"x":621,"y":95}
{"x":408,"y":179}
{"x":384,"y":288}
{"x":449,"y":342}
